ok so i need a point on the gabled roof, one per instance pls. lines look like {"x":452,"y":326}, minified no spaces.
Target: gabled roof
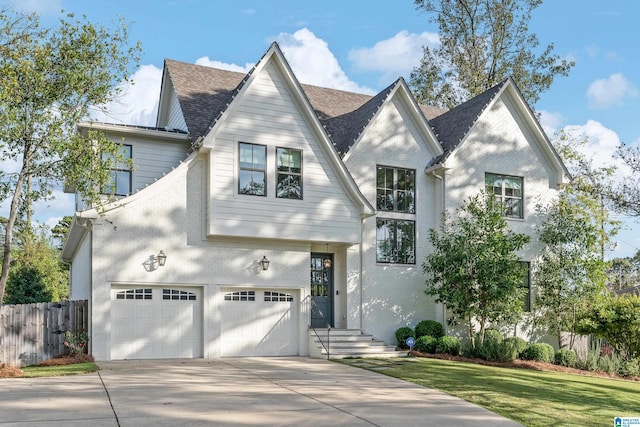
{"x":452,"y":127}
{"x":204,"y":94}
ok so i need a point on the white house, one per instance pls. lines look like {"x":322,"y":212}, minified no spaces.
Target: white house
{"x":258,"y":207}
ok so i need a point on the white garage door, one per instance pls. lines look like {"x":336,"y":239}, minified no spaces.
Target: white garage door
{"x":257,"y":322}
{"x":156,"y":322}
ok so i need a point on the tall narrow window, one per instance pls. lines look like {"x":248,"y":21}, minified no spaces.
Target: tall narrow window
{"x":252,"y":169}
{"x":395,"y":241}
{"x":395,"y":189}
{"x":289,"y":184}
{"x":120,"y":173}
{"x":507,"y":191}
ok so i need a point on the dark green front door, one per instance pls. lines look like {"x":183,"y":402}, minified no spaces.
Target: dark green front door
{"x":321,"y":291}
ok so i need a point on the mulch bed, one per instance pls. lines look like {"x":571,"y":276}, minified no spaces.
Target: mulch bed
{"x":11,"y":372}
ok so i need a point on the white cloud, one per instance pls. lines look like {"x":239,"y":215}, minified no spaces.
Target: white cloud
{"x":138,"y":104}
{"x":313,"y":62}
{"x":610,"y":92}
{"x":601,"y":146}
{"x":550,"y":122}
{"x":394,"y":56}
{"x":205,"y":61}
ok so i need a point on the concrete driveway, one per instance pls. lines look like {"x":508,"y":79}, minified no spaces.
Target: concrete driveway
{"x":232,"y":392}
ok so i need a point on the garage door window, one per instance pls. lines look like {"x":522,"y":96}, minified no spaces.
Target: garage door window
{"x":175,"y":294}
{"x":240,"y":296}
{"x":277,"y":297}
{"x":134,"y":294}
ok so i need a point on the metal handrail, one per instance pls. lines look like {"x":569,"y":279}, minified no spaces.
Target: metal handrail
{"x":328,"y":346}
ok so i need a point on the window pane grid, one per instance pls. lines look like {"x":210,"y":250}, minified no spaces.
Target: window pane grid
{"x":507,"y":191}
{"x":143,"y":294}
{"x":289,"y":181}
{"x":252,"y":160}
{"x":395,"y":189}
{"x":240,"y":296}
{"x":395,"y":241}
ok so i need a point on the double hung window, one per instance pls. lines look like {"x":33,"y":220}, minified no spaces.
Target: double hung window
{"x":120,"y":172}
{"x":289,"y":181}
{"x":507,"y":191}
{"x":253,"y":169}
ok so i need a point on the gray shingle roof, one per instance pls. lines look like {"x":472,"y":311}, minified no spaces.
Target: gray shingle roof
{"x":205,"y":92}
{"x":452,"y":126}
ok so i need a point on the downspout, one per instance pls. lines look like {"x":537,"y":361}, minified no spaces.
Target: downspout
{"x":433,"y":170}
{"x":360,"y":284}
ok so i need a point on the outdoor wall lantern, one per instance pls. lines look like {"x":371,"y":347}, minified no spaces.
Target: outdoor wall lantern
{"x":326,"y":262}
{"x":264,"y":262}
{"x":155,"y":261}
{"x":162,"y":258}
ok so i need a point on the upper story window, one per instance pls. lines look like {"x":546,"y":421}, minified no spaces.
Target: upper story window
{"x":289,"y":165}
{"x":395,"y":189}
{"x":508,"y":191}
{"x":253,"y":168}
{"x":120,"y":175}
{"x":395,"y":241}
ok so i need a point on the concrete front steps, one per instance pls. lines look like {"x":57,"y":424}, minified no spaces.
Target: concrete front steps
{"x":343,"y":343}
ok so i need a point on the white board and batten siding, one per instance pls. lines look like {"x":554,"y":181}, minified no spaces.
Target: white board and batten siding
{"x":268,"y":114}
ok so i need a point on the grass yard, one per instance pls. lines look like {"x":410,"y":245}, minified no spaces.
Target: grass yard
{"x":59,"y":370}
{"x":530,"y":397}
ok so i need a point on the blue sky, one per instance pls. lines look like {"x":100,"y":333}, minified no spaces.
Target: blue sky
{"x":364,"y":45}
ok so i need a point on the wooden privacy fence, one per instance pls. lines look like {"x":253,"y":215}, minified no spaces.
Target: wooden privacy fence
{"x":31,"y":333}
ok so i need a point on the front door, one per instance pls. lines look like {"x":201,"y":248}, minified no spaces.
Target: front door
{"x":321,"y":291}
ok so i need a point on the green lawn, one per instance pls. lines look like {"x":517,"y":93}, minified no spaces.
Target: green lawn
{"x":54,"y":371}
{"x":533,"y":398}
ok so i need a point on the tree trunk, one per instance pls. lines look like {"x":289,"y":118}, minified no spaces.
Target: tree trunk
{"x":8,"y":234}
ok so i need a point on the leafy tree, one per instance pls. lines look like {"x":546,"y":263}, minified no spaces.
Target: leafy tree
{"x":571,"y":271}
{"x":60,"y":230}
{"x":37,"y":273}
{"x":474,"y":268}
{"x":616,"y":319}
{"x":481,"y":44}
{"x":50,"y":78}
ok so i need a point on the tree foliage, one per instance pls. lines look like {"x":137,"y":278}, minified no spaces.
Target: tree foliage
{"x":616,"y":319}
{"x":37,"y":274}
{"x":474,"y":269}
{"x":50,"y":79}
{"x":482,"y":43}
{"x":571,"y":271}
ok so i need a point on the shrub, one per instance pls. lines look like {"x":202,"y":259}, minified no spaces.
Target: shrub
{"x":511,"y":347}
{"x":402,"y":334}
{"x":489,"y":348}
{"x":448,"y":345}
{"x":630,"y":367}
{"x":426,"y":344}
{"x":566,"y":357}
{"x":539,"y":352}
{"x":76,"y":342}
{"x":429,"y":327}
{"x":610,"y":364}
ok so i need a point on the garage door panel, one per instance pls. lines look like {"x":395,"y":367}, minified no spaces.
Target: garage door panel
{"x":262,"y":326}
{"x":165,"y":323}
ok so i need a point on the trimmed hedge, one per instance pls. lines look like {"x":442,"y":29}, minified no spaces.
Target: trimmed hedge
{"x":566,"y":357}
{"x":426,"y":344}
{"x":539,"y":352}
{"x":429,"y":327}
{"x":448,"y":345}
{"x":511,"y":348}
